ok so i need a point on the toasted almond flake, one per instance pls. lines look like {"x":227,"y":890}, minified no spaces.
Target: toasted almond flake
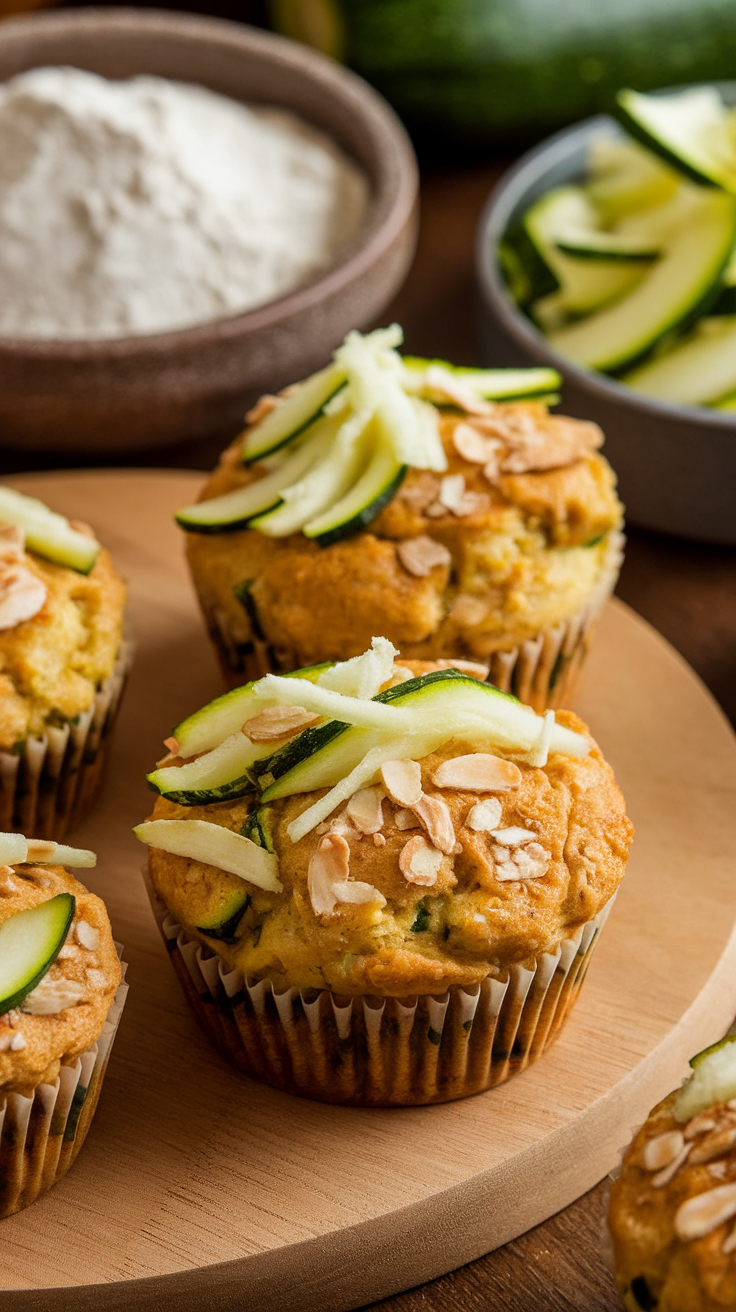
{"x":262,"y":407}
{"x":327,"y":878}
{"x":278,"y":722}
{"x":662,"y":1150}
{"x":485,"y":816}
{"x":478,"y":773}
{"x":54,"y":995}
{"x":172,"y":745}
{"x":514,"y":836}
{"x":22,"y":594}
{"x":700,"y":1124}
{"x":419,"y":556}
{"x":729,"y":1243}
{"x":434,"y":814}
{"x":12,"y":542}
{"x":436,"y":510}
{"x":452,"y":491}
{"x":507,"y":872}
{"x":5,"y":1041}
{"x":668,"y":1172}
{"x":473,"y":446}
{"x":406,"y":820}
{"x":67,"y":952}
{"x":698,"y":1216}
{"x":379,"y":840}
{"x":420,"y":863}
{"x":95,"y":978}
{"x":531,"y":861}
{"x":403,"y":781}
{"x":18,"y":1043}
{"x":476,"y":669}
{"x":40,"y":849}
{"x":713,"y":1145}
{"x":87,"y":935}
{"x":441,"y":380}
{"x":168,"y":759}
{"x":364,"y":809}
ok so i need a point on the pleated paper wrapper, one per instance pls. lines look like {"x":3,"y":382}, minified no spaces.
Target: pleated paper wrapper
{"x":48,"y":787}
{"x":543,"y":671}
{"x":375,"y":1051}
{"x":40,"y":1135}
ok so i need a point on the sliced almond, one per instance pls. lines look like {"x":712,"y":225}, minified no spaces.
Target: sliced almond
{"x":262,"y":407}
{"x":662,"y":1150}
{"x":278,"y":722}
{"x":473,"y":446}
{"x":358,"y":893}
{"x":87,"y":935}
{"x":700,"y":1124}
{"x":485,"y":816}
{"x":698,"y":1216}
{"x":441,"y":380}
{"x":713,"y":1145}
{"x":419,"y":556}
{"x":434,"y":814}
{"x":22,"y":595}
{"x":669,"y":1172}
{"x":172,"y":745}
{"x":478,"y":773}
{"x":403,"y":780}
{"x":420,"y":863}
{"x":329,"y":864}
{"x":364,"y":809}
{"x":452,"y":491}
{"x":514,"y":836}
{"x":12,"y":542}
{"x":406,"y":820}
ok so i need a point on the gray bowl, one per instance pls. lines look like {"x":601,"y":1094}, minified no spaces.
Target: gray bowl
{"x":676,"y":464}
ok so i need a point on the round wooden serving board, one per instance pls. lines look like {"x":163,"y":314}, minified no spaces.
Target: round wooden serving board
{"x":198,"y":1188}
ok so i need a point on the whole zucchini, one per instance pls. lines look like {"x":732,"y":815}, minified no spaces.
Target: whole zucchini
{"x":504,"y":72}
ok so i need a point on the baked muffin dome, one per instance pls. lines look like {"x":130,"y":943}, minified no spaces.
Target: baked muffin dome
{"x":672,"y":1213}
{"x":512,"y":532}
{"x":449,"y":838}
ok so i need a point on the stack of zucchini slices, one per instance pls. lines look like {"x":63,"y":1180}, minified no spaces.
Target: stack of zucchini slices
{"x":336,"y":447}
{"x":633,"y":272}
{"x":355,"y":729}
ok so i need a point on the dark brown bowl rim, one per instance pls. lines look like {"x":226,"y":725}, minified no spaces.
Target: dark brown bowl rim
{"x":395,"y":188}
{"x":502,"y":203}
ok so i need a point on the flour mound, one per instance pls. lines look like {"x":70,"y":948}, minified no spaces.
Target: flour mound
{"x":146,"y":205}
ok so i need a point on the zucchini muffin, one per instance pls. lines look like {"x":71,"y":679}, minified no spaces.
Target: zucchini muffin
{"x":672,"y":1213}
{"x":63,"y":663}
{"x":61,"y":995}
{"x":381,"y":883}
{"x":392,"y":495}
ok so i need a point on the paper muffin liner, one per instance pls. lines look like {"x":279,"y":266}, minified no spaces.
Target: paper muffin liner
{"x":40,"y":1135}
{"x":48,"y":786}
{"x":542,"y":671}
{"x":381,"y":1051}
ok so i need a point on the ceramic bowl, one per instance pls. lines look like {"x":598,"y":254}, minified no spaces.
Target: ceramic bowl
{"x":149,"y":391}
{"x":676,"y":464}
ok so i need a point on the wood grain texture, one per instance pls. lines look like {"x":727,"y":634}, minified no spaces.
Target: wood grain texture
{"x":196,"y":1185}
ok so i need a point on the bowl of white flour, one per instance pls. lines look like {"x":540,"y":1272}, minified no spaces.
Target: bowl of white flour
{"x":191,"y":212}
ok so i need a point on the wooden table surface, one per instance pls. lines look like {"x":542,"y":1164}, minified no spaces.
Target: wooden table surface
{"x":686,"y":590}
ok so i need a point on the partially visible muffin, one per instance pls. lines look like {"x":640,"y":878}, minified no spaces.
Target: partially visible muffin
{"x":672,"y":1213}
{"x":63,"y":662}
{"x":61,"y":994}
{"x":502,"y":551}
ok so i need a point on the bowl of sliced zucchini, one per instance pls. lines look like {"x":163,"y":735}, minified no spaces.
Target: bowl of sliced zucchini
{"x":609,"y":253}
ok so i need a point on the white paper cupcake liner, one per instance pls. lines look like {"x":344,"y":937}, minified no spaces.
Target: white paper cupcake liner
{"x":542,"y":672}
{"x":40,"y":1135}
{"x":47,"y":787}
{"x":376,"y":1051}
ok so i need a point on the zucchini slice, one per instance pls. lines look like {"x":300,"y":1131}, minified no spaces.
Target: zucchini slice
{"x":225,"y":716}
{"x":626,"y":178}
{"x":697,"y":371}
{"x":293,"y":413}
{"x":363,"y":502}
{"x":672,"y":292}
{"x":489,"y":384}
{"x":235,"y":510}
{"x":324,"y":484}
{"x":259,"y":828}
{"x":690,"y":130}
{"x":221,"y":775}
{"x":48,"y":534}
{"x":223,"y":920}
{"x":30,"y":942}
{"x":200,"y":840}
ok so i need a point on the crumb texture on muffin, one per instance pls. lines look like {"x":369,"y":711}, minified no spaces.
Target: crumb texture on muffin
{"x":34,"y":1046}
{"x":447,"y":881}
{"x":510,"y":541}
{"x":52,"y":664}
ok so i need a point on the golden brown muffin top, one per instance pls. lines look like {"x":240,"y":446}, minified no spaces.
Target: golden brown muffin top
{"x":52,"y":664}
{"x":455,"y":564}
{"x":672,"y":1216}
{"x":34,"y":1046}
{"x":457,"y":884}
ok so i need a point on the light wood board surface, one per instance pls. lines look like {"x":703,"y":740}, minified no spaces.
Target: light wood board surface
{"x":198,"y":1188}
